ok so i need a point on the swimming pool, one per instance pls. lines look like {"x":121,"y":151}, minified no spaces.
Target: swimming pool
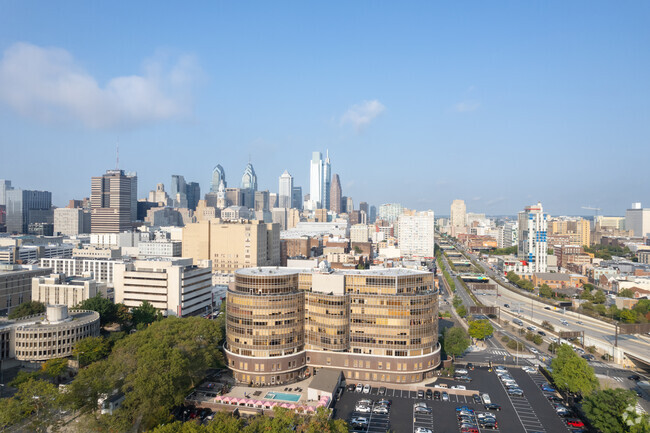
{"x":282,"y":396}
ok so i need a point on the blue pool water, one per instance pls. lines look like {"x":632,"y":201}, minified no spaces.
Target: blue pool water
{"x":282,"y":396}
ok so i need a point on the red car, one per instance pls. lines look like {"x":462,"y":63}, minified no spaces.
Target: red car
{"x":469,"y":430}
{"x":575,"y":423}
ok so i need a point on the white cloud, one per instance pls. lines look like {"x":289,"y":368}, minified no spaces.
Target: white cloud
{"x":467,"y":106}
{"x":47,"y":84}
{"x":360,"y":115}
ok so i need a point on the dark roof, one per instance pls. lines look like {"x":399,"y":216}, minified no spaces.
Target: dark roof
{"x":326,"y":379}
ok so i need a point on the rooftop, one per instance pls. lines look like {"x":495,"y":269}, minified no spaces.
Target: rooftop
{"x":272,"y":270}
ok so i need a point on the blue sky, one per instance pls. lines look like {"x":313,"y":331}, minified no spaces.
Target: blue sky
{"x":501,"y":104}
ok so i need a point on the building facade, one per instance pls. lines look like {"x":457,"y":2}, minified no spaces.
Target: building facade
{"x":56,"y":289}
{"x":16,"y":285}
{"x":532,"y":246}
{"x":71,"y":221}
{"x":336,"y":194}
{"x":101,"y":270}
{"x":112,"y":202}
{"x":174,"y":286}
{"x":24,"y":207}
{"x":283,"y":324}
{"x":390,"y":212}
{"x":637,"y":219}
{"x":285,"y":190}
{"x":416,"y":235}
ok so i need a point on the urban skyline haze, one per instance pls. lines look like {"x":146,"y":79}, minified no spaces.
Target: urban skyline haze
{"x":502,"y":105}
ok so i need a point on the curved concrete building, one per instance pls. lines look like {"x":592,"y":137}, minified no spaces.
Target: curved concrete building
{"x":378,"y":325}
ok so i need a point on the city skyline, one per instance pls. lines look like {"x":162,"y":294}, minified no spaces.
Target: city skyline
{"x":418,"y":105}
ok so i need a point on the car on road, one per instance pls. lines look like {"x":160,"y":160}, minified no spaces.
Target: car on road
{"x":445,"y":396}
{"x":589,"y":357}
{"x":553,"y":339}
{"x":531,"y":328}
{"x":516,"y":392}
{"x":542,"y":333}
{"x":359,"y":387}
{"x":492,"y":406}
{"x":429,"y":394}
{"x":547,"y":308}
{"x":634,"y":377}
{"x":423,"y":430}
{"x":382,"y":390}
{"x":564,"y":322}
{"x":460,"y":371}
{"x":533,"y":350}
{"x":579,"y":322}
{"x":366,"y":389}
{"x":506,"y":305}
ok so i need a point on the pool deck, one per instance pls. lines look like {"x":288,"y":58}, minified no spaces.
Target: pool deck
{"x":241,"y":391}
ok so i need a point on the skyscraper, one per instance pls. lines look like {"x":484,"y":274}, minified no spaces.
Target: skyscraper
{"x":457,"y":217}
{"x":296,"y":197}
{"x":326,"y":182}
{"x":363,"y":206}
{"x":335,"y":195}
{"x":285,"y":190}
{"x":249,"y":185}
{"x":637,"y":219}
{"x":193,"y":195}
{"x":111,"y":202}
{"x":315,"y":181}
{"x":5,"y":185}
{"x":218,"y":177}
{"x":390,"y":211}
{"x":179,"y":190}
{"x":25,"y":207}
{"x":532,"y":238}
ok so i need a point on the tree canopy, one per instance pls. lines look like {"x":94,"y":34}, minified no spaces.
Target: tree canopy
{"x":573,"y":373}
{"x":626,"y":293}
{"x":456,"y":341}
{"x":105,"y":307}
{"x":480,"y":329}
{"x":145,"y":314}
{"x":91,"y":349}
{"x":545,"y":291}
{"x":607,"y":411}
{"x":36,"y":403}
{"x":27,"y":309}
{"x":155,"y":368}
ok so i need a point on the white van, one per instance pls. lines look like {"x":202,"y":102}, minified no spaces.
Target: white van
{"x":486,"y":399}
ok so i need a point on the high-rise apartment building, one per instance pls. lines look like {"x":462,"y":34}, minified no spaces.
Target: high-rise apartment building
{"x":174,"y":286}
{"x":218,"y":178}
{"x":577,"y":230}
{"x":233,"y":245}
{"x":284,"y":324}
{"x":532,"y":238}
{"x":25,"y":207}
{"x":111,"y":202}
{"x":417,"y":234}
{"x":390,"y":211}
{"x":336,"y":195}
{"x":285,"y":190}
{"x":637,"y":219}
{"x":457,"y":217}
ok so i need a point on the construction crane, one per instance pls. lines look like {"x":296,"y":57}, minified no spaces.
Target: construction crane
{"x":597,"y":209}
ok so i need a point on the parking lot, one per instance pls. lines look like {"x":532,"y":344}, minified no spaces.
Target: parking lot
{"x":532,"y":412}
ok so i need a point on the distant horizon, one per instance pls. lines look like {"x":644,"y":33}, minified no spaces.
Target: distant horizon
{"x":502,"y":105}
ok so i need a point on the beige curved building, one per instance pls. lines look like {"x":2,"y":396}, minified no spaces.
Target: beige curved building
{"x":41,"y":338}
{"x":378,"y":325}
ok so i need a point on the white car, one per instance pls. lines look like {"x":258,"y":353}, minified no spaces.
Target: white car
{"x":462,"y":371}
{"x":553,"y":339}
{"x":459,"y":387}
{"x":362,"y":408}
{"x":366,"y":389}
{"x":359,"y":388}
{"x":533,"y":350}
{"x":486,"y":398}
{"x":528,"y":369}
{"x":423,"y":430}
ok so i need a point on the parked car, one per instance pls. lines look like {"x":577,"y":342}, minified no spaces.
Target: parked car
{"x":516,"y":392}
{"x":422,"y":409}
{"x":465,"y":408}
{"x":460,"y":371}
{"x":528,"y":369}
{"x":470,"y":366}
{"x":476,"y":398}
{"x":445,"y":396}
{"x":492,"y":406}
{"x":546,"y":387}
{"x":574,"y":422}
{"x":463,"y":378}
{"x":420,"y":393}
{"x":350,"y":387}
{"x":429,"y":394}
{"x":380,"y":409}
{"x":436,"y":395}
{"x":362,"y":408}
{"x":459,"y":387}
{"x":486,"y":398}
{"x":366,"y":389}
{"x":385,"y":402}
{"x":359,"y":387}
{"x":423,"y":430}
{"x":533,"y":350}
{"x":382,"y":390}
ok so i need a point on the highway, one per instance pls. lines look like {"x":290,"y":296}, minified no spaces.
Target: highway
{"x":535,"y":311}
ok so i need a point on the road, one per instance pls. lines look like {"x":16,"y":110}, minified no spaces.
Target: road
{"x":636,"y":345}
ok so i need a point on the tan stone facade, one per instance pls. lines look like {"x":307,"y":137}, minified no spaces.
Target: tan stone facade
{"x":282,"y":324}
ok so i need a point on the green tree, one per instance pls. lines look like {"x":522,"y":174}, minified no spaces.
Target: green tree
{"x":547,"y":325}
{"x":628,"y":316}
{"x":462,"y":311}
{"x":599,"y":297}
{"x":572,"y":373}
{"x":456,"y":341}
{"x":27,"y":309}
{"x":145,"y":314}
{"x":91,"y":349}
{"x":12,"y":411}
{"x":626,"y":293}
{"x":642,"y":307}
{"x":512,"y":277}
{"x":105,"y":307}
{"x":605,"y":409}
{"x":545,"y":291}
{"x":515,"y":345}
{"x":480,"y":329}
{"x":537,"y":339}
{"x":587,"y":295}
{"x":54,"y":368}
{"x":36,"y":403}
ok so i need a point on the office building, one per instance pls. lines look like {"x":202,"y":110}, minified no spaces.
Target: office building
{"x":262,"y":199}
{"x":359,"y":233}
{"x":57,"y":289}
{"x":233,"y":245}
{"x":507,"y":235}
{"x":71,"y":222}
{"x":193,"y":192}
{"x":372,"y":216}
{"x":249,"y":185}
{"x":336,"y":195}
{"x":417,"y":234}
{"x":174,"y":286}
{"x":457,"y":217}
{"x":24,"y":207}
{"x":284,"y":324}
{"x":296,"y":197}
{"x":390,"y":212}
{"x":363,"y":206}
{"x":326,"y":182}
{"x":5,"y":185}
{"x":16,"y":285}
{"x":532,"y":248}
{"x":100,"y":270}
{"x":315,"y":181}
{"x":637,"y":219}
{"x":285,"y":190}
{"x":112,"y":202}
{"x":179,"y":190}
{"x":218,"y":178}
{"x":577,"y":230}
{"x":160,"y":248}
